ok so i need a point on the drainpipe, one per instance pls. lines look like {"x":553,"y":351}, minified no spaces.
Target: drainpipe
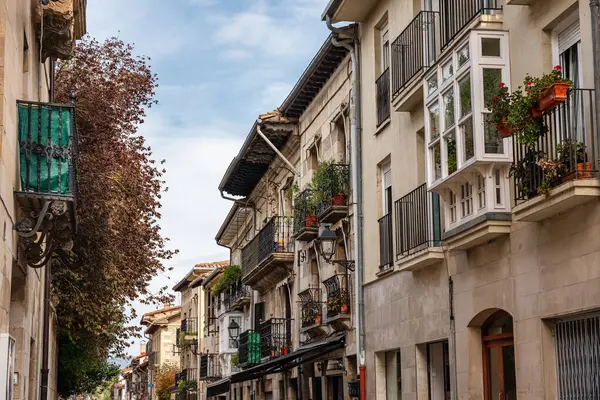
{"x":595,"y":15}
{"x":356,"y":171}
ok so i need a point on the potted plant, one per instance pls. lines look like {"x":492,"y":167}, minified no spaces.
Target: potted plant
{"x":551,"y":171}
{"x":344,"y":308}
{"x":499,"y":107}
{"x":328,"y":184}
{"x":569,"y":151}
{"x":550,"y":89}
{"x":318,"y":319}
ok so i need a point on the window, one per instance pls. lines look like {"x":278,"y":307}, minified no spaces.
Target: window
{"x":387,"y":189}
{"x":438,"y":367}
{"x":452,"y":207}
{"x":466,"y":199}
{"x":481,"y":191}
{"x":385,"y":48}
{"x":393,"y":375}
{"x":498,"y":187}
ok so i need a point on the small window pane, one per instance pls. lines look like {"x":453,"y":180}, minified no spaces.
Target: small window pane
{"x":494,"y":144}
{"x":465,"y":96}
{"x":451,"y":149}
{"x":467,"y":132}
{"x":463,"y":56}
{"x":491,"y":79}
{"x":432,"y":84}
{"x":447,"y":71}
{"x":490,"y":47}
{"x":434,"y":121}
{"x":437,"y":160}
{"x":448,"y":109}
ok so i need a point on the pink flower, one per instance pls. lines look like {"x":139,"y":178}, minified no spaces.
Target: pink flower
{"x":529,"y":83}
{"x":501,"y":84}
{"x":558,"y":67}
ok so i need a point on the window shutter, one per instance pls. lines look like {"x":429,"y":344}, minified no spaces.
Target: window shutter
{"x":387,"y":178}
{"x":259,"y":314}
{"x":569,"y":37}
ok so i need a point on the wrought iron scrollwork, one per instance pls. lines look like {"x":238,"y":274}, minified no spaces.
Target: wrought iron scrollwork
{"x":43,"y":233}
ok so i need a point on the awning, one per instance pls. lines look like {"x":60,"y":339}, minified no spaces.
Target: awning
{"x":295,"y":358}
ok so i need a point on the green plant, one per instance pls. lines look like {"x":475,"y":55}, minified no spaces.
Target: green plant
{"x":292,"y":191}
{"x":185,"y":385}
{"x":570,"y":150}
{"x":452,"y":165}
{"x":525,"y":169}
{"x":327,"y":181}
{"x":551,"y":174}
{"x":535,"y":86}
{"x":229,"y":277}
{"x":235,"y":359}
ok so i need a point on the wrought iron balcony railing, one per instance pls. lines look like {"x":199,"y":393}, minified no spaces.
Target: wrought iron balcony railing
{"x":275,"y":337}
{"x":337,"y":191}
{"x":414,"y":50}
{"x":311,"y":307}
{"x":275,"y":237}
{"x":338,"y":295}
{"x":249,"y":348}
{"x":418,"y":223}
{"x":569,"y":143}
{"x":386,"y":243}
{"x":210,"y":367}
{"x":189,"y":326}
{"x":455,"y":15}
{"x":237,"y":295}
{"x":305,"y":213}
{"x":47,"y":145}
{"x":383,"y":97}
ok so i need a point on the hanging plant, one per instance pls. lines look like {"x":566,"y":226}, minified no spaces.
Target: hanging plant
{"x":229,"y":277}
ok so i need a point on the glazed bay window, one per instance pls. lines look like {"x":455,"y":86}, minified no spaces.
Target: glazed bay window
{"x":463,"y":149}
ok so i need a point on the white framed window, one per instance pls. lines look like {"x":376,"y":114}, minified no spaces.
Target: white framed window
{"x":385,"y":47}
{"x":498,"y":188}
{"x":453,"y":216}
{"x":481,"y":192}
{"x":386,"y":186}
{"x":466,"y":199}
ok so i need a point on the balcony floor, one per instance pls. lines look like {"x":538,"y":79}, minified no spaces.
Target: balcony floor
{"x":561,"y":198}
{"x":421,"y":259}
{"x":478,"y":231}
{"x":272,"y":270}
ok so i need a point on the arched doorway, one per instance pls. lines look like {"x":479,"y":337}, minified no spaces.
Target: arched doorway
{"x":499,"y":357}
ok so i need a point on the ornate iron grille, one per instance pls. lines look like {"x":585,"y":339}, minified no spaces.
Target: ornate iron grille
{"x":383,"y":97}
{"x":386,"y":246}
{"x":338,"y":295}
{"x":304,"y":211}
{"x":311,"y":307}
{"x":338,"y":188}
{"x":275,"y":337}
{"x":210,"y":367}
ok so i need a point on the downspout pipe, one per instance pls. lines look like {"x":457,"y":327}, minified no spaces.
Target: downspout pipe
{"x":353,"y":47}
{"x":275,"y":149}
{"x":595,"y":16}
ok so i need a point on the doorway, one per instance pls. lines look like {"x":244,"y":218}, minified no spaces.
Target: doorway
{"x":499,"y":357}
{"x":335,"y":387}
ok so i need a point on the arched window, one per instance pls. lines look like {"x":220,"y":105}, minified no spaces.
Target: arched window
{"x":499,"y":357}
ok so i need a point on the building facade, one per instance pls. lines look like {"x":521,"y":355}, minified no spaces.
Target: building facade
{"x":480,"y":283}
{"x":26,"y":71}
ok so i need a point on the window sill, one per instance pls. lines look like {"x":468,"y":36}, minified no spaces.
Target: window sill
{"x":383,"y":125}
{"x":385,"y":272}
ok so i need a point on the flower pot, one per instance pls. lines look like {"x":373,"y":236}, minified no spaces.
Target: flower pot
{"x":339,"y":200}
{"x":553,"y":96}
{"x":536,"y":113}
{"x":584,"y":170}
{"x":344,"y":309}
{"x":504,"y":130}
{"x":318,"y":319}
{"x":311,"y":221}
{"x":273,"y":353}
{"x":285,"y":351}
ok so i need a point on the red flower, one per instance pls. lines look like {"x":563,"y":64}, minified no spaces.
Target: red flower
{"x":495,"y":99}
{"x":501,"y":84}
{"x":529,"y":83}
{"x":558,"y":67}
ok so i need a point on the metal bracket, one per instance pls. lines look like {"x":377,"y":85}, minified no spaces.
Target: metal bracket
{"x":43,"y":233}
{"x":348,"y":264}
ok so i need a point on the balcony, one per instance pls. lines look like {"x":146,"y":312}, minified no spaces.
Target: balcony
{"x":456,"y":15}
{"x":189,"y":326}
{"x":338,"y":301}
{"x":47,"y":146}
{"x":412,"y":53}
{"x":186,"y":380}
{"x":269,"y":257}
{"x":210,"y":324}
{"x":386,"y":243}
{"x":311,"y":310}
{"x":418,"y":229}
{"x":275,"y":337}
{"x":383,"y":97}
{"x":238,"y":296}
{"x":306,"y":227}
{"x":249,"y":349}
{"x":210,"y":367}
{"x":570,"y":142}
{"x":332,"y":203}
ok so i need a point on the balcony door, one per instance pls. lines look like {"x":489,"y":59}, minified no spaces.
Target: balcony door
{"x":499,"y":357}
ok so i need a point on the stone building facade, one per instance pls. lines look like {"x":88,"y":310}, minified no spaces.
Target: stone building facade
{"x":26,"y":77}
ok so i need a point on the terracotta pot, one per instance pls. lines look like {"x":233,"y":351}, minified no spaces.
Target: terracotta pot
{"x":536,"y":113}
{"x":311,"y":221}
{"x":344,"y":309}
{"x":284,"y":351}
{"x":584,"y":170}
{"x":318,"y":319}
{"x":339,"y":200}
{"x":553,"y":96}
{"x":273,"y":353}
{"x":503,"y":130}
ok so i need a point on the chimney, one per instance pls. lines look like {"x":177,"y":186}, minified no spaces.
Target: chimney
{"x":143,"y":348}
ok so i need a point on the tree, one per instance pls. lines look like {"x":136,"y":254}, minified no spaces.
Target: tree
{"x":165,"y":379}
{"x":118,"y":247}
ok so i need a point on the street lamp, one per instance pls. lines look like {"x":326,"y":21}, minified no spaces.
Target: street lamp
{"x":234,"y":331}
{"x":327,"y":242}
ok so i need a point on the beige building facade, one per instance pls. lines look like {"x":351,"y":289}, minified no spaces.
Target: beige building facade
{"x":478,"y":286}
{"x":26,"y":77}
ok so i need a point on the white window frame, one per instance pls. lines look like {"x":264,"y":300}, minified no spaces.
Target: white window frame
{"x":481,"y":193}
{"x":466,"y":200}
{"x":498,"y":183}
{"x":386,"y":49}
{"x":453,"y":208}
{"x":386,"y":167}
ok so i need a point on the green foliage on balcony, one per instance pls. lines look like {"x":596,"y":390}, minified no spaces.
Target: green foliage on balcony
{"x":45,"y":148}
{"x":230,"y":276}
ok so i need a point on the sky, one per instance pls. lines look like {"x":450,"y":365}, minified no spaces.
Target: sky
{"x":220,"y":63}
